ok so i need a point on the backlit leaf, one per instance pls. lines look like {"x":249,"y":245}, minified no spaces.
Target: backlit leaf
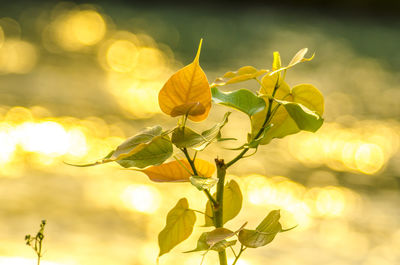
{"x":232,"y":203}
{"x":148,"y":147}
{"x":187,"y":92}
{"x":218,"y":234}
{"x":243,"y":74}
{"x":283,"y":124}
{"x":298,"y":58}
{"x":304,"y":118}
{"x":202,"y":244}
{"x":178,"y":171}
{"x":155,"y":152}
{"x":179,"y":226}
{"x":264,"y":233}
{"x":186,"y":137}
{"x":202,"y":183}
{"x":242,"y":99}
{"x":276,"y":64}
{"x":136,"y":143}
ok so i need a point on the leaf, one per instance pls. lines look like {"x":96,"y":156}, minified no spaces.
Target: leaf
{"x":243,"y":100}
{"x":304,"y":94}
{"x":243,"y":74}
{"x":136,"y":143}
{"x":298,"y":58}
{"x":155,"y":152}
{"x":306,"y":119}
{"x":276,"y":64}
{"x":179,"y":226}
{"x":264,"y":233}
{"x":232,"y":203}
{"x":218,"y":234}
{"x":214,"y":133}
{"x":148,"y":147}
{"x":184,"y":137}
{"x":203,"y":183}
{"x":187,"y":92}
{"x":202,"y":244}
{"x":178,"y":171}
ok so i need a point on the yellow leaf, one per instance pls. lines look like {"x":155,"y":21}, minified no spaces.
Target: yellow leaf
{"x":187,"y":92}
{"x":276,"y":64}
{"x":178,"y":171}
{"x":242,"y":74}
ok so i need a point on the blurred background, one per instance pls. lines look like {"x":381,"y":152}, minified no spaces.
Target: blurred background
{"x":76,"y":79}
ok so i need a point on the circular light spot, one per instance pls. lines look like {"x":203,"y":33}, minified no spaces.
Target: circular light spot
{"x":369,"y":158}
{"x":141,"y":198}
{"x":122,"y":56}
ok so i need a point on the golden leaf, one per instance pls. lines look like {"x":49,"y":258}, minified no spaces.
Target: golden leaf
{"x":187,"y":92}
{"x":178,"y":171}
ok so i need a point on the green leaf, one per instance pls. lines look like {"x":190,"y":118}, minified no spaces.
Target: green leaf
{"x":179,"y":226}
{"x":202,"y":244}
{"x":284,"y":124}
{"x":155,"y":152}
{"x":148,"y":147}
{"x":306,"y":119}
{"x":202,"y":183}
{"x":232,"y":203}
{"x":243,"y":74}
{"x":214,"y":133}
{"x":264,"y":233}
{"x":136,"y":142}
{"x":184,"y":137}
{"x":243,"y":100}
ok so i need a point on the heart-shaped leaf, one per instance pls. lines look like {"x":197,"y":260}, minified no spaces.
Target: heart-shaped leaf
{"x":178,"y":171}
{"x":232,"y":203}
{"x":243,"y":100}
{"x":305,"y":119}
{"x":283,"y":124}
{"x":179,"y":226}
{"x":187,"y":92}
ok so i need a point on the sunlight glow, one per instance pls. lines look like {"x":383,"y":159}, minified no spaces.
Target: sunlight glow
{"x":16,"y":56}
{"x":141,"y":198}
{"x":122,"y":56}
{"x":23,"y":261}
{"x":366,"y":148}
{"x":78,"y":28}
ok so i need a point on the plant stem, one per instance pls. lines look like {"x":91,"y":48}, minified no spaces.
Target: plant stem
{"x":193,"y":166}
{"x":219,"y":210}
{"x":238,"y":255}
{"x":267,"y":119}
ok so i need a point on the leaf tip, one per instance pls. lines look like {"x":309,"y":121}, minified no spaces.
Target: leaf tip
{"x":196,"y":59}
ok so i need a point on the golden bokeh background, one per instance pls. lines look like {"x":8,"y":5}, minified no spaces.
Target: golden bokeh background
{"x":77,"y":79}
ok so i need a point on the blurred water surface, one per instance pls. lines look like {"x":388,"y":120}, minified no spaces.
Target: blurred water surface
{"x":76,"y":80}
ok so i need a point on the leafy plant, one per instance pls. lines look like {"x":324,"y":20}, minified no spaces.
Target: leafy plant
{"x":275,"y":111}
{"x":36,"y":242}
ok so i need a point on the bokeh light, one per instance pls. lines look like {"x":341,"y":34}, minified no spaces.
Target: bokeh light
{"x":78,"y":79}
